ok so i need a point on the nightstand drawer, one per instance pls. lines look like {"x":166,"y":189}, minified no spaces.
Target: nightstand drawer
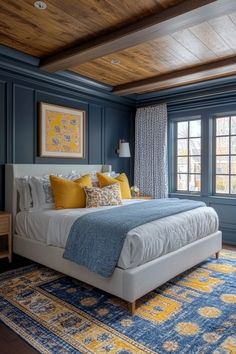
{"x":4,"y":224}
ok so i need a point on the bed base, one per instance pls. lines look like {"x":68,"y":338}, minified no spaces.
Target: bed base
{"x":131,"y":306}
{"x":128,"y":284}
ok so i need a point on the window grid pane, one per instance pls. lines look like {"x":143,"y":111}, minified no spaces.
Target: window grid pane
{"x":188,"y":158}
{"x":225,"y":163}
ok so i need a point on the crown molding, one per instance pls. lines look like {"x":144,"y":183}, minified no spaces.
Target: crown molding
{"x":17,"y":63}
{"x":19,"y":56}
{"x":223,"y":89}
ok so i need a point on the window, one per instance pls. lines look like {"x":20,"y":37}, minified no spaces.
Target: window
{"x":225,"y":157}
{"x":188,"y":156}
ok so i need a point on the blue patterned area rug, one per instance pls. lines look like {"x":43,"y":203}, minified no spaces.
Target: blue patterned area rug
{"x":193,"y":313}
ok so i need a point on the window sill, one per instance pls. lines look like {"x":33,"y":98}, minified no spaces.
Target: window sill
{"x":176,"y":194}
{"x":222,"y":200}
{"x":209,"y":200}
{"x":222,"y":197}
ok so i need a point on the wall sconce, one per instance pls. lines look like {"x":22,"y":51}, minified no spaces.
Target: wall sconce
{"x":124,"y":150}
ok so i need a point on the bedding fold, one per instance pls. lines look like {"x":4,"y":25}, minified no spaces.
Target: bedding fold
{"x":96,"y":240}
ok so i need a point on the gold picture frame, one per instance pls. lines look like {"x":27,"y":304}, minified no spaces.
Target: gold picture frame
{"x":61,"y":131}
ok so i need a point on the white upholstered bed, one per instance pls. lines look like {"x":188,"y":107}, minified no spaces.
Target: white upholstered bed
{"x":134,"y":276}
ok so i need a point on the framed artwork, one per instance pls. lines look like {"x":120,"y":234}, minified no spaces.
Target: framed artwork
{"x":61,"y":131}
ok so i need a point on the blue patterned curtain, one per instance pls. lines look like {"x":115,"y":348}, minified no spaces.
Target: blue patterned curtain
{"x":151,"y":165}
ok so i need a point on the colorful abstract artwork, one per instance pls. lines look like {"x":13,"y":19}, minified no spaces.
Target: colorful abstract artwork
{"x":61,"y":131}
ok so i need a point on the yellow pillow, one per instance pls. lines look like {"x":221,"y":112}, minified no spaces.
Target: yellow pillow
{"x":122,"y":179}
{"x":70,"y":194}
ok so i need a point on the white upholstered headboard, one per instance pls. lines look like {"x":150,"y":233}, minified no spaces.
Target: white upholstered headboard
{"x":13,"y":171}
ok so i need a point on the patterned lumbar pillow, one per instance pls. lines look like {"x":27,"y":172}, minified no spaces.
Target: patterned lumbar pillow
{"x":97,"y":197}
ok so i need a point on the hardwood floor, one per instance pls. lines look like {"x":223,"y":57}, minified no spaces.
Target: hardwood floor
{"x":11,"y":343}
{"x":17,"y":262}
{"x":229,"y":247}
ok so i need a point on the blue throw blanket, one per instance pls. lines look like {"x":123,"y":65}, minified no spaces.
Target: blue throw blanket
{"x":96,"y":239}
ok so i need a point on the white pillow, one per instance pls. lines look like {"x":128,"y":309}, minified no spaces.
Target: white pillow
{"x":42,"y":191}
{"x":23,"y":187}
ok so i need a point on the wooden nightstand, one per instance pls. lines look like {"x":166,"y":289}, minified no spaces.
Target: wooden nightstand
{"x":5,"y":230}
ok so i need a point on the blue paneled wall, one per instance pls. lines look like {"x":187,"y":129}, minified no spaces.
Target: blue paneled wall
{"x":23,"y":86}
{"x":203,"y":100}
{"x":109,"y":118}
{"x":224,"y":206}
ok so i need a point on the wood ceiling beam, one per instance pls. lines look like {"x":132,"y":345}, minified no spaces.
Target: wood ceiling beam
{"x":186,"y":14}
{"x":220,"y":68}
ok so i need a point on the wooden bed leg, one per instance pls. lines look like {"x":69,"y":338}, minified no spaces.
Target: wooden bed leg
{"x":131,"y":307}
{"x":217,"y":254}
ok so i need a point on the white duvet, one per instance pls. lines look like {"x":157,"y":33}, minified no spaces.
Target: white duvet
{"x":143,"y":243}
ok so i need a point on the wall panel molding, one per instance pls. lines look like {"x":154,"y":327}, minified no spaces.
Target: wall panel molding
{"x":22,"y":87}
{"x":3,"y":137}
{"x":9,"y":123}
{"x":23,"y":119}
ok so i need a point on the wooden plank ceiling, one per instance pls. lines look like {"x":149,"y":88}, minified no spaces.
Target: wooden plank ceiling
{"x":190,"y":46}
